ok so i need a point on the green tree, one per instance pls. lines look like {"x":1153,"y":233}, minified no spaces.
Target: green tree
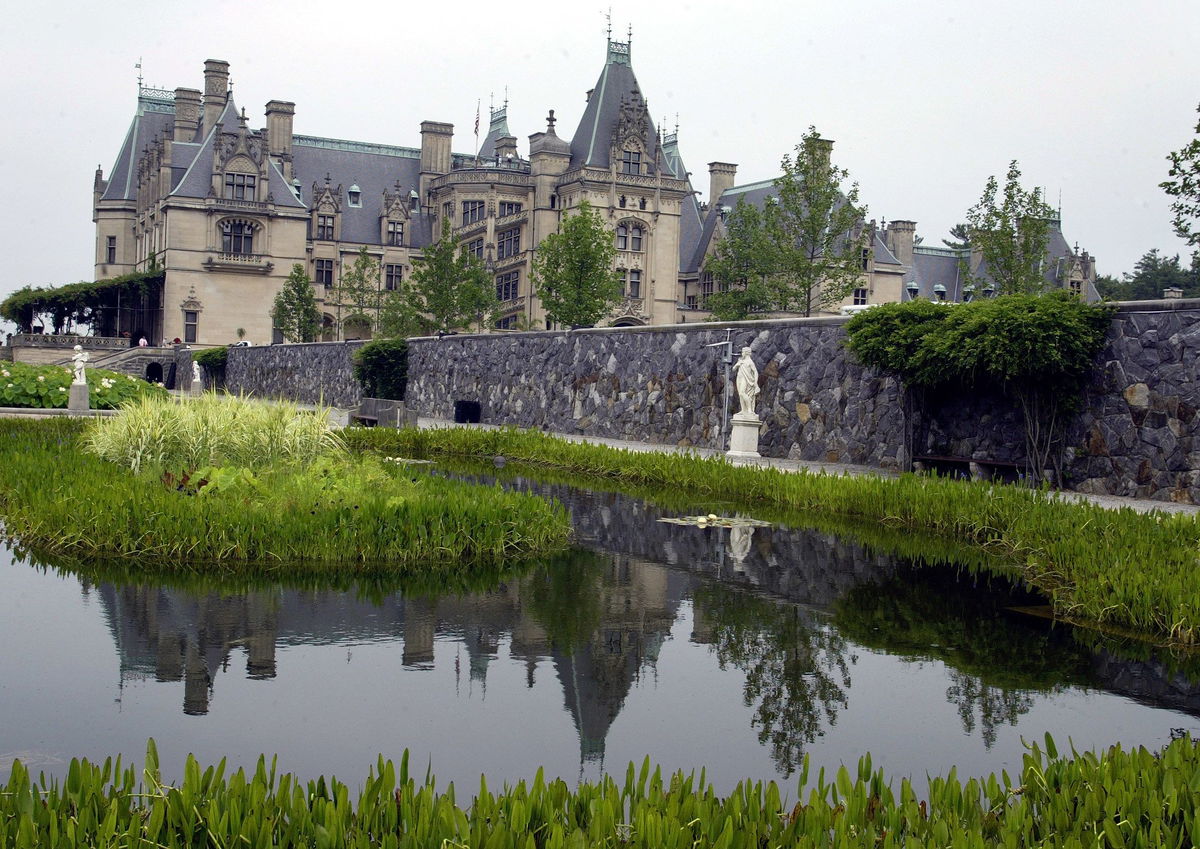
{"x":1010,"y":231}
{"x":295,"y":310}
{"x":741,"y":264}
{"x":449,"y":290}
{"x":573,"y":272}
{"x":1152,"y":274}
{"x":358,"y":292}
{"x":803,"y":248}
{"x":960,"y":237}
{"x":1184,"y":188}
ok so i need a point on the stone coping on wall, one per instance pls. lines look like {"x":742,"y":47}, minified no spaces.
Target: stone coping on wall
{"x":42,"y":340}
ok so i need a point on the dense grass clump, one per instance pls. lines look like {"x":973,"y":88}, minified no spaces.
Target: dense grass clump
{"x":1116,"y":568}
{"x":1118,"y":798}
{"x":180,"y":434}
{"x":311,"y":517}
{"x":49,"y":387}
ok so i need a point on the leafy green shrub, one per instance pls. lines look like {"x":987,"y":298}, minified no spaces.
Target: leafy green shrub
{"x":381,"y":367}
{"x":1117,"y":798}
{"x":184,"y":433}
{"x":49,"y":387}
{"x":213,"y":360}
{"x":1037,"y":349}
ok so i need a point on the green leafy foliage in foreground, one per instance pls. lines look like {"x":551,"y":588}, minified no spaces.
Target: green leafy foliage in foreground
{"x":381,"y":368}
{"x":311,"y":517}
{"x":49,"y":387}
{"x":1115,"y":799}
{"x":1112,"y":567}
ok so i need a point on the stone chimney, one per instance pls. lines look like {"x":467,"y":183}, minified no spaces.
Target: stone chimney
{"x":279,"y":127}
{"x":900,"y":236}
{"x":506,"y":149}
{"x":823,"y":150}
{"x":720,"y":180}
{"x":216,"y":90}
{"x":435,"y":151}
{"x":1172,"y":293}
{"x":187,"y":114}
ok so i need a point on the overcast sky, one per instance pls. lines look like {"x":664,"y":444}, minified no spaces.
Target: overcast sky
{"x":924,"y":100}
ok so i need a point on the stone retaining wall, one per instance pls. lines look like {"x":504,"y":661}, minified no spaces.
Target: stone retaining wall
{"x":317,"y":372}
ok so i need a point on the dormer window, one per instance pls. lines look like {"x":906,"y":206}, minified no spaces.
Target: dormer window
{"x":395,"y":233}
{"x":325,"y":227}
{"x":296,"y":190}
{"x":631,"y":162}
{"x":239,"y":187}
{"x":355,"y":194}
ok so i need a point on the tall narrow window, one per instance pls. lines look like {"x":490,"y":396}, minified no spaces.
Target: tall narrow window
{"x":395,"y":233}
{"x":325,"y":227}
{"x":622,"y":237}
{"x":191,"y":326}
{"x":706,"y":288}
{"x":323,"y":269}
{"x":473,"y":210}
{"x":110,"y":250}
{"x":633,"y":283}
{"x":635,"y":238}
{"x":239,"y":187}
{"x":393,"y":275}
{"x":508,"y":243}
{"x":475,"y":248}
{"x":866,"y":259}
{"x":508,"y":286}
{"x":237,"y":237}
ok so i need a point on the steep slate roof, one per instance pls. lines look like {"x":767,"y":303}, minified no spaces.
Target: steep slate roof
{"x":373,"y":168}
{"x":498,"y":128}
{"x":593,"y":137}
{"x":196,"y":182}
{"x":149,"y":122}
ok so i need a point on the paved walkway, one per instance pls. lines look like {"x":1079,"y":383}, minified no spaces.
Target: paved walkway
{"x":1112,"y":502}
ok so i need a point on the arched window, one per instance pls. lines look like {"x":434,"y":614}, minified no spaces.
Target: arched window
{"x":237,"y":237}
{"x":629,"y":237}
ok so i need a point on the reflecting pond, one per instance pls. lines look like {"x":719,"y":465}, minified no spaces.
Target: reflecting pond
{"x":737,"y":650}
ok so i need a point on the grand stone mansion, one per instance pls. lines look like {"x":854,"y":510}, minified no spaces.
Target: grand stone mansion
{"x":228,"y":210}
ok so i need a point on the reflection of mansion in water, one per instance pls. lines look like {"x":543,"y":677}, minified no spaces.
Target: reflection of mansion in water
{"x":170,"y":635}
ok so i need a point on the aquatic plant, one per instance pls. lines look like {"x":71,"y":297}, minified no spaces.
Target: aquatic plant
{"x":166,"y":433}
{"x":1113,"y":567}
{"x":1116,"y":798}
{"x":319,"y":517}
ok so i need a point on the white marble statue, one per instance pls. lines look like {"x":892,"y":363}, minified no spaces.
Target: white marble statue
{"x":79,"y":358}
{"x":747,"y":384}
{"x":196,"y":372}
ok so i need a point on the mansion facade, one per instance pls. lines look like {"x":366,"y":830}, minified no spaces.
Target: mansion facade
{"x":227,"y":210}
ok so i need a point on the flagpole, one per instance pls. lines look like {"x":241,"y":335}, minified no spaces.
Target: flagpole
{"x":477,"y":133}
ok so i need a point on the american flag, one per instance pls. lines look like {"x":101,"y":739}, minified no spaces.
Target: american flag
{"x":476,"y":117}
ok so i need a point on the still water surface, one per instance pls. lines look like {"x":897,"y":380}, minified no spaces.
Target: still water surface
{"x":736,"y":653}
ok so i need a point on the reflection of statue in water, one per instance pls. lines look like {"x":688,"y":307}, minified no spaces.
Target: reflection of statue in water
{"x":79,"y":358}
{"x":747,"y":384}
{"x":739,"y":544}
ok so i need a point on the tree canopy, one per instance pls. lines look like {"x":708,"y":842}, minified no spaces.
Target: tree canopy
{"x":573,"y":271}
{"x":1010,"y":229}
{"x":1184,"y":187}
{"x":449,"y":290}
{"x":1152,"y":274}
{"x":803,"y":250}
{"x":295,"y":310}
{"x":75,"y":303}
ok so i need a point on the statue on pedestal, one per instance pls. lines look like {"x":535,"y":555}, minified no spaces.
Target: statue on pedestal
{"x":747,"y":384}
{"x":79,"y":358}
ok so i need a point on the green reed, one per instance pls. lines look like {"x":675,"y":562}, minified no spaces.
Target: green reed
{"x":336,"y":511}
{"x":1117,"y":798}
{"x":1115,"y":568}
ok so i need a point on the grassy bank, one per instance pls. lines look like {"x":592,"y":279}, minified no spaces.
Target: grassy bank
{"x":325,"y":515}
{"x":1110,"y":567}
{"x":1116,"y":799}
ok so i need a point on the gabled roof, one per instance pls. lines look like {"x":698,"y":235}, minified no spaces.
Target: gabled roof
{"x":148,"y":125}
{"x":617,"y":84}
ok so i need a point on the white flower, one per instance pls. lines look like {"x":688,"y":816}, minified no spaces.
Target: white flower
{"x":61,"y":389}
{"x":41,"y":378}
{"x":9,"y":386}
{"x":6,"y":373}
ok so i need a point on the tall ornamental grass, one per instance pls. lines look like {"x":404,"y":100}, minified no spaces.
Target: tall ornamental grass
{"x":336,"y":514}
{"x":185,"y":433}
{"x":1117,"y":798}
{"x":1115,"y":568}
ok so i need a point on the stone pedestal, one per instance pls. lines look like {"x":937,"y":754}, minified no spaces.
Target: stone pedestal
{"x":743,"y":441}
{"x":79,"y":401}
